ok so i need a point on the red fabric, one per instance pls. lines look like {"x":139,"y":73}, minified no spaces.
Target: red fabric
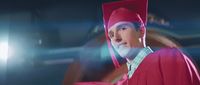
{"x":165,"y":67}
{"x":136,"y":6}
{"x":123,"y":14}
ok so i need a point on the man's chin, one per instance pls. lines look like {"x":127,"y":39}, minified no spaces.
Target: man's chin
{"x":128,"y":52}
{"x":124,"y":52}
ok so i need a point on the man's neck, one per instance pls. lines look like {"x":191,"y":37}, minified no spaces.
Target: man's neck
{"x":134,"y":54}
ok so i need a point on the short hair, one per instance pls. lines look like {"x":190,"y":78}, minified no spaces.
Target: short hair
{"x":137,"y":25}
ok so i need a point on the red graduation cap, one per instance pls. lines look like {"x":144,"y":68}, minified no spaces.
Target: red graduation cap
{"x":125,"y":10}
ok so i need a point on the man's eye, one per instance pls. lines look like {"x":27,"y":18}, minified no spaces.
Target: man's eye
{"x":123,"y":28}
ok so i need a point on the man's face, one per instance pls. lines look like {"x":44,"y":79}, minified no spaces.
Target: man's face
{"x":124,"y":38}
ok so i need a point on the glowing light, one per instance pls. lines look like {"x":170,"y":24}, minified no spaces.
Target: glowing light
{"x":3,"y":51}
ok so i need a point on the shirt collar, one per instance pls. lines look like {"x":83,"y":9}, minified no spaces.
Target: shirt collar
{"x":133,"y":65}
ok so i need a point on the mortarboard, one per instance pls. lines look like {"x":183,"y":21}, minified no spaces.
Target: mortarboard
{"x":127,"y":10}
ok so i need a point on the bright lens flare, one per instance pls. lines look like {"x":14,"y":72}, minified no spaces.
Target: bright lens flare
{"x":3,"y":51}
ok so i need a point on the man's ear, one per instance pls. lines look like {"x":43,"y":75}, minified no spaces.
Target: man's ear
{"x":142,"y":32}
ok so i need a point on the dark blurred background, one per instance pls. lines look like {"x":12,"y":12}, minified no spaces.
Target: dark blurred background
{"x":39,"y":39}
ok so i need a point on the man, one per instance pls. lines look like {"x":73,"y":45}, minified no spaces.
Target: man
{"x":125,"y":32}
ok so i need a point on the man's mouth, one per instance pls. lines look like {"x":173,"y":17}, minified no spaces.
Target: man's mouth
{"x":122,"y":45}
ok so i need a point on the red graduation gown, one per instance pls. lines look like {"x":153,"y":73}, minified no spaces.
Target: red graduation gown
{"x":167,"y":66}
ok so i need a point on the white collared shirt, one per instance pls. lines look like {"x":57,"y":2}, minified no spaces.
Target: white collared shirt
{"x":133,"y":65}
